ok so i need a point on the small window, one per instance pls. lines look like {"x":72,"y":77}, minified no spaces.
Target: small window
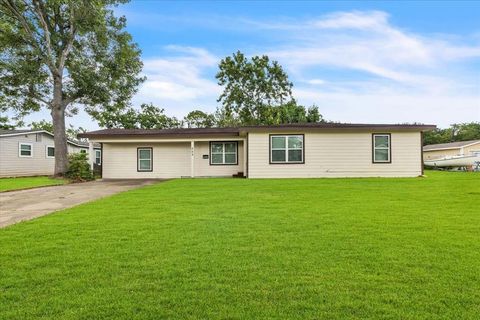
{"x":25,"y":150}
{"x":98,"y":157}
{"x":50,"y":152}
{"x":381,"y":148}
{"x":286,"y":149}
{"x":223,"y":153}
{"x":83,"y":151}
{"x":144,"y":157}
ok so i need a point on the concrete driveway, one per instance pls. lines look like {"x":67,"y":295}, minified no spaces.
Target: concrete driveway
{"x":16,"y":206}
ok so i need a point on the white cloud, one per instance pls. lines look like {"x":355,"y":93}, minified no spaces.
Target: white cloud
{"x":178,"y":82}
{"x":400,"y":76}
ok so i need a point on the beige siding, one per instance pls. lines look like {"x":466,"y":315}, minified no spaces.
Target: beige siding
{"x":430,"y":155}
{"x":468,"y":151}
{"x":12,"y":165}
{"x":338,"y":155}
{"x":437,"y":154}
{"x":203,"y":167}
{"x":170,"y":160}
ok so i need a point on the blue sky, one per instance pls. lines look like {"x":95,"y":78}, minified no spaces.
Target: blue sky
{"x":386,"y":62}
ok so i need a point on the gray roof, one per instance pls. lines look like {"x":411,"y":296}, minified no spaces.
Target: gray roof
{"x":26,"y":131}
{"x":236,"y":130}
{"x":7,"y":131}
{"x":450,"y":145}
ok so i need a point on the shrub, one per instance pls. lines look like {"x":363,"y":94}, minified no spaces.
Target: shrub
{"x":78,"y":168}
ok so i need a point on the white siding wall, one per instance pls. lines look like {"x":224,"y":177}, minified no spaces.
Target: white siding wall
{"x":338,"y":155}
{"x":11,"y":165}
{"x":203,"y":167}
{"x":170,"y":160}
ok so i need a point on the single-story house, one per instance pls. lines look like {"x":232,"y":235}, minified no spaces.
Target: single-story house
{"x":32,"y":152}
{"x":459,"y":148}
{"x":277,"y":151}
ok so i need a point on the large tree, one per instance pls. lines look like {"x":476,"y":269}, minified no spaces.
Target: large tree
{"x":250,"y":86}
{"x":258,"y":91}
{"x":62,"y":55}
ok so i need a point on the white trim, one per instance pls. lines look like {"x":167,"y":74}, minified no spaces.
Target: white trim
{"x":46,"y":152}
{"x":24,"y":133}
{"x":20,"y":149}
{"x":375,"y":148}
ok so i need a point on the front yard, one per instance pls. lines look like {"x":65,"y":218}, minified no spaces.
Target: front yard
{"x":9,"y":184}
{"x":243,"y":249}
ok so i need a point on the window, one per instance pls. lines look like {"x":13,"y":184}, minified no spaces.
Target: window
{"x":98,"y":157}
{"x":381,"y":148}
{"x":144,"y":159}
{"x":50,"y":152}
{"x":25,"y":150}
{"x":223,"y":153}
{"x":286,"y":149}
{"x":83,"y":151}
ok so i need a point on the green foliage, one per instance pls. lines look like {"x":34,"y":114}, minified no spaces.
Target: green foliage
{"x":257,"y":91}
{"x":64,"y":54}
{"x":456,"y":132}
{"x":79,"y":168}
{"x":71,"y":131}
{"x":199,"y":119}
{"x":373,"y":248}
{"x":148,"y":117}
{"x":7,"y":124}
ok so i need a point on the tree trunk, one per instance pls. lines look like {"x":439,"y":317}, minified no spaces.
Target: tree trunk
{"x":60,"y":137}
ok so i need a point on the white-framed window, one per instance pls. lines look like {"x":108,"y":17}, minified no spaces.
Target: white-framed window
{"x":98,"y":157}
{"x":50,"y":151}
{"x":83,"y":151}
{"x":286,"y":148}
{"x":25,"y":150}
{"x":145,"y":159}
{"x":223,"y":153}
{"x":382,"y":151}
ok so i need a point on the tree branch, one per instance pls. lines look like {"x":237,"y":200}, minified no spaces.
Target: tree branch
{"x":46,"y":31}
{"x":12,"y":7}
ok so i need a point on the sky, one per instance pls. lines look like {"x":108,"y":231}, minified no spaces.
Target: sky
{"x":360,"y":62}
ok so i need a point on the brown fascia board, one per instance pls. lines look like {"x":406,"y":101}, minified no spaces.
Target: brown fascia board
{"x":187,"y":133}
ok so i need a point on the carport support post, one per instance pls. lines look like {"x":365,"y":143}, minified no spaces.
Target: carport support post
{"x":91,"y":154}
{"x":192,"y":159}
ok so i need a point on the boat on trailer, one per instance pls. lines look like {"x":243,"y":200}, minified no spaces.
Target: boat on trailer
{"x":454,"y":162}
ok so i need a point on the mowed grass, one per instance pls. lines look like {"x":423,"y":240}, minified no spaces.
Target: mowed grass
{"x":8,"y":184}
{"x":253,"y":249}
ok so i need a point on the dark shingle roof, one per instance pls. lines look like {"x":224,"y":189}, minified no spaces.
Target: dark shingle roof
{"x":450,"y":145}
{"x":237,"y":130}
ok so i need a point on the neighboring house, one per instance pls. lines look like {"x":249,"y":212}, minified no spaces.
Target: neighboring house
{"x":31,"y":152}
{"x":459,"y":148}
{"x":280,"y":151}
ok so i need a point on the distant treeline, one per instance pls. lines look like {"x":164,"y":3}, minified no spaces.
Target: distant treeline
{"x":456,"y":132}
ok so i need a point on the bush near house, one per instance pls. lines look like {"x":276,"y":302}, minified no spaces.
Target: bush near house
{"x":79,"y":168}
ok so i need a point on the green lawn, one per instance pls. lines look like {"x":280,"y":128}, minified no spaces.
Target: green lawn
{"x":7,"y":184}
{"x":245,"y":249}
